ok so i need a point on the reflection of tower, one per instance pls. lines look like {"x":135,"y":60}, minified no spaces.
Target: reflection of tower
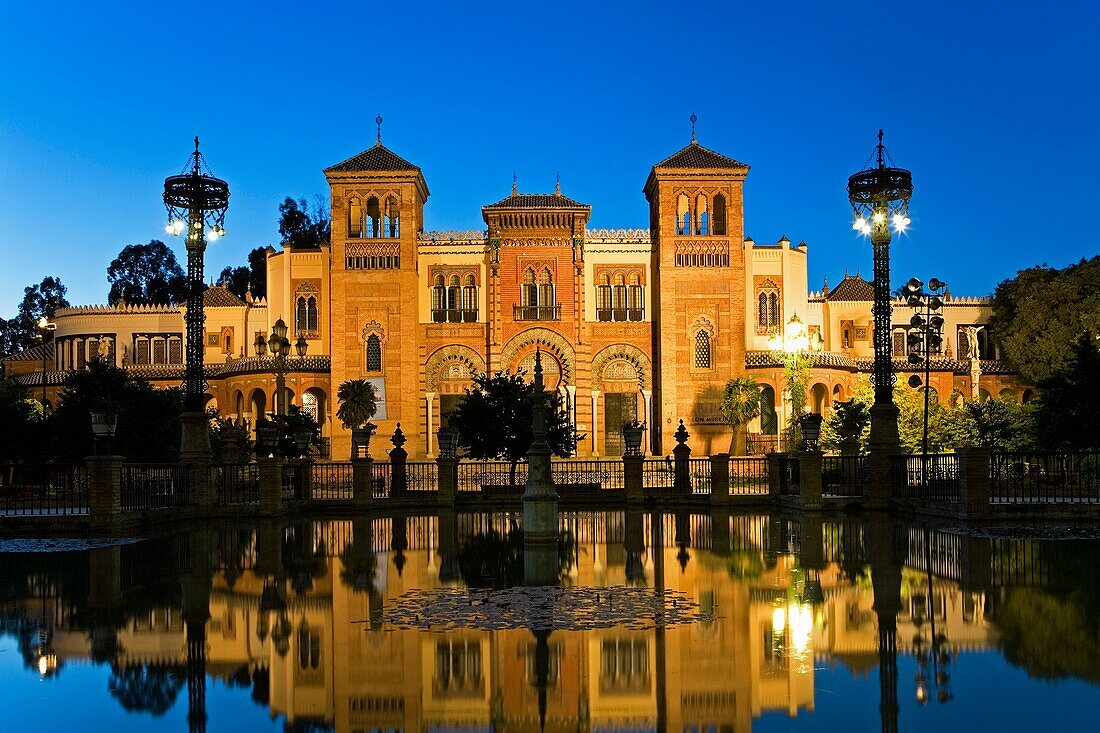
{"x":886,"y":580}
{"x":195,"y":590}
{"x":542,"y":671}
{"x":658,"y":553}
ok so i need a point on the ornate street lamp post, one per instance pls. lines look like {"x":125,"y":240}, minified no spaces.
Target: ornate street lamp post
{"x":280,"y":345}
{"x":880,"y":199}
{"x":790,"y":347}
{"x":196,"y":202}
{"x":925,"y":339}
{"x":46,"y":328}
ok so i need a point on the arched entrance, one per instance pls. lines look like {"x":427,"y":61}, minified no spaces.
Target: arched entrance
{"x":622,"y":403}
{"x":769,"y":418}
{"x":258,"y":406}
{"x":818,"y":394}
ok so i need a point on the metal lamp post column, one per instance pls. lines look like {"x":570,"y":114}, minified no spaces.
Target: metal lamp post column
{"x":201,"y":200}
{"x":881,"y":193}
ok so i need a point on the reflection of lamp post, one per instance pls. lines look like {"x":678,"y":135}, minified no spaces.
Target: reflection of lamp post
{"x":45,"y":326}
{"x":879,"y":197}
{"x":789,"y":347}
{"x":280,"y":352}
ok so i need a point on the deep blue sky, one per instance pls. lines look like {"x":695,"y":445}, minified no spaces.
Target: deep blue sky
{"x":994,"y":109}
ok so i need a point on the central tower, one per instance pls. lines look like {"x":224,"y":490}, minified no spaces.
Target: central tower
{"x":697,"y":227}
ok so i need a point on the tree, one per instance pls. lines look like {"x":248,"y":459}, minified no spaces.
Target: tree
{"x":493,"y":420}
{"x":740,"y":404}
{"x":302,"y":228}
{"x":20,"y":423}
{"x":848,"y":419}
{"x":148,"y":419}
{"x":1038,"y":313}
{"x":1069,"y":400}
{"x":796,"y":376}
{"x":248,"y":279}
{"x":150,"y":688}
{"x":1000,"y":424}
{"x":145,"y":274}
{"x":235,"y":279}
{"x":41,"y":300}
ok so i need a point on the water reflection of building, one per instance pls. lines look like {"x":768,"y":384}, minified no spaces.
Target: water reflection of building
{"x":324,"y":657}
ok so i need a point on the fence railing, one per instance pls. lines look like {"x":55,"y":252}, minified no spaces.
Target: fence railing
{"x":699,"y":475}
{"x":44,"y":489}
{"x":475,"y":475}
{"x":844,"y":476}
{"x":789,"y":476}
{"x":748,"y":476}
{"x":931,"y":478}
{"x":421,"y":476}
{"x":332,"y":481}
{"x":236,"y":483}
{"x":293,"y":481}
{"x":381,"y":479}
{"x":144,"y":487}
{"x":658,"y":473}
{"x":1042,"y":478}
{"x":594,"y":474}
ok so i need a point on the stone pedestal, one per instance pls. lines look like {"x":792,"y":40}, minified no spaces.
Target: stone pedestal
{"x":104,"y":495}
{"x":809,"y":480}
{"x":879,"y":479}
{"x":775,"y":475}
{"x":362,"y":486}
{"x":399,"y":477}
{"x":681,"y":455}
{"x":720,"y":479}
{"x":271,"y":484}
{"x":447,"y":472}
{"x":195,"y":452}
{"x":884,"y":428}
{"x":632,"y":479}
{"x":974,"y":481}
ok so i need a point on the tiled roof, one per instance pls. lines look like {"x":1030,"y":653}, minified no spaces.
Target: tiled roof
{"x":34,"y":353}
{"x":537,"y":201}
{"x":377,"y":158}
{"x":821,"y":359}
{"x":220,"y":297}
{"x":852,"y":287}
{"x":696,"y":156}
{"x":939,"y":364}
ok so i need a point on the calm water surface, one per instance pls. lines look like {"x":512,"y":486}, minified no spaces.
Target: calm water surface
{"x":692,"y":623}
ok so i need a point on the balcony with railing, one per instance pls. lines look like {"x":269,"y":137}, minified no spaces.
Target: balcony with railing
{"x":454,"y":315}
{"x":620,"y":314}
{"x":536,"y":312}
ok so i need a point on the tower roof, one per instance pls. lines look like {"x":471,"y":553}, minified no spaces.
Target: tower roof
{"x":538,"y":201}
{"x":220,"y":296}
{"x":852,"y":287}
{"x":376,"y":158}
{"x":694,"y":155}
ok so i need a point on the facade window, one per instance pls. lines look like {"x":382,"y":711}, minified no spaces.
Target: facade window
{"x":393,"y":218}
{"x":624,"y":666}
{"x":538,"y":300}
{"x":767,"y":311}
{"x":622,"y":301}
{"x":719,"y":215}
{"x":636,"y":299}
{"x":355,"y":218}
{"x":305,"y":314}
{"x":439,"y":300}
{"x":141,"y":351}
{"x":454,"y":300}
{"x":374,"y":353}
{"x":702,"y":216}
{"x":683,"y":215}
{"x":160,"y":355}
{"x":374,"y":217}
{"x":603,"y":299}
{"x":93,"y":348}
{"x":702,"y":350}
{"x":458,"y":667}
{"x":469,"y":300}
{"x":175,"y":351}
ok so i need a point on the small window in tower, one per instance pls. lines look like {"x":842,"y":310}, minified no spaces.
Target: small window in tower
{"x":374,"y":214}
{"x":311,"y":314}
{"x":469,"y":300}
{"x":683,"y":215}
{"x":300,"y":315}
{"x":439,"y":300}
{"x":762,"y":311}
{"x":392,"y":218}
{"x":719,"y":214}
{"x":702,"y":350}
{"x":773,"y":309}
{"x":355,"y":218}
{"x":374,"y":353}
{"x":702,"y":217}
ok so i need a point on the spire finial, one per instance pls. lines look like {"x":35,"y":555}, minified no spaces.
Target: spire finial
{"x":557,"y":184}
{"x":378,"y":121}
{"x":693,"y":119}
{"x":880,"y":149}
{"x":538,"y":370}
{"x":515,"y":185}
{"x":196,"y":143}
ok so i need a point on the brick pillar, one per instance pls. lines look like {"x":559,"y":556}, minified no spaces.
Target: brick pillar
{"x":305,"y":475}
{"x":974,"y":484}
{"x":720,"y":478}
{"x":775,"y":475}
{"x":271,"y":484}
{"x":104,"y":497}
{"x":813,"y":545}
{"x":362,"y":491}
{"x":399,"y":479}
{"x":681,"y":454}
{"x":809,"y":479}
{"x":879,"y":478}
{"x":195,"y":452}
{"x":720,"y":530}
{"x":632,"y":478}
{"x":447,"y":466}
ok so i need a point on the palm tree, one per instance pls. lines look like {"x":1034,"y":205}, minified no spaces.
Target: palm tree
{"x":358,"y":404}
{"x":740,"y":404}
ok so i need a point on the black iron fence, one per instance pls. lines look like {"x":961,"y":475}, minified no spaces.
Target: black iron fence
{"x":593,"y":474}
{"x":332,"y":481}
{"x":381,"y":478}
{"x":148,"y":486}
{"x":293,"y":481}
{"x":789,"y":476}
{"x":421,"y":476}
{"x":1041,"y":478}
{"x":844,"y":476}
{"x":748,"y":476}
{"x":699,"y":475}
{"x":45,"y":489}
{"x":236,"y":483}
{"x":931,"y":478}
{"x":658,"y":473}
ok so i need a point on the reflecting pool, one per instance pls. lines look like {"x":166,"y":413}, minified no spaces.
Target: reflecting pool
{"x":635,"y":621}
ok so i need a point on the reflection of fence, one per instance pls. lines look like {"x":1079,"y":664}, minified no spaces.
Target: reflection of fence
{"x":1045,"y":478}
{"x":844,"y":476}
{"x":43,"y":489}
{"x":236,"y":483}
{"x":153,"y":486}
{"x":748,"y":476}
{"x":935,"y":478}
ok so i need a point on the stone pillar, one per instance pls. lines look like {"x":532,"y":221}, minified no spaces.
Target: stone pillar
{"x":104,"y":495}
{"x":271,"y":484}
{"x":305,"y":476}
{"x":632,"y":478}
{"x":974,"y":482}
{"x":362,"y":491}
{"x":775,"y":475}
{"x":879,"y":478}
{"x":429,"y":397}
{"x":809,"y":480}
{"x":681,"y":454}
{"x":195,"y":452}
{"x":447,"y":469}
{"x":720,"y":479}
{"x":399,"y":479}
{"x":647,"y":406}
{"x":596,"y":423}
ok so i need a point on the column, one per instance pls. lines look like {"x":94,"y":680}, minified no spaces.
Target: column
{"x":647,"y":406}
{"x":596,"y":423}
{"x":429,"y":397}
{"x":104,"y":492}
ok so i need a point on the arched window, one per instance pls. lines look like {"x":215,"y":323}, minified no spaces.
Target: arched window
{"x":702,"y":349}
{"x":392,"y":218}
{"x":547,"y":300}
{"x":469,"y":300}
{"x":603,"y":299}
{"x":773,"y":309}
{"x":683,"y":215}
{"x":310,"y":405}
{"x":719,"y":215}
{"x":702,"y":217}
{"x":311,"y":314}
{"x":636,"y":305}
{"x":355,"y":217}
{"x":374,"y":214}
{"x":762,"y":319}
{"x":439,"y":300}
{"x":374,"y":353}
{"x":454,"y":296}
{"x":301,"y":316}
{"x":618,"y":298}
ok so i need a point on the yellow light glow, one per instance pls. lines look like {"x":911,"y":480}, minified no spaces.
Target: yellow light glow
{"x":859,"y":223}
{"x":802,"y":624}
{"x":779,"y":620}
{"x":879,"y":217}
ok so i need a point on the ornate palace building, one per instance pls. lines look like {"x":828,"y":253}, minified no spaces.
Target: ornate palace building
{"x":633,"y":323}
